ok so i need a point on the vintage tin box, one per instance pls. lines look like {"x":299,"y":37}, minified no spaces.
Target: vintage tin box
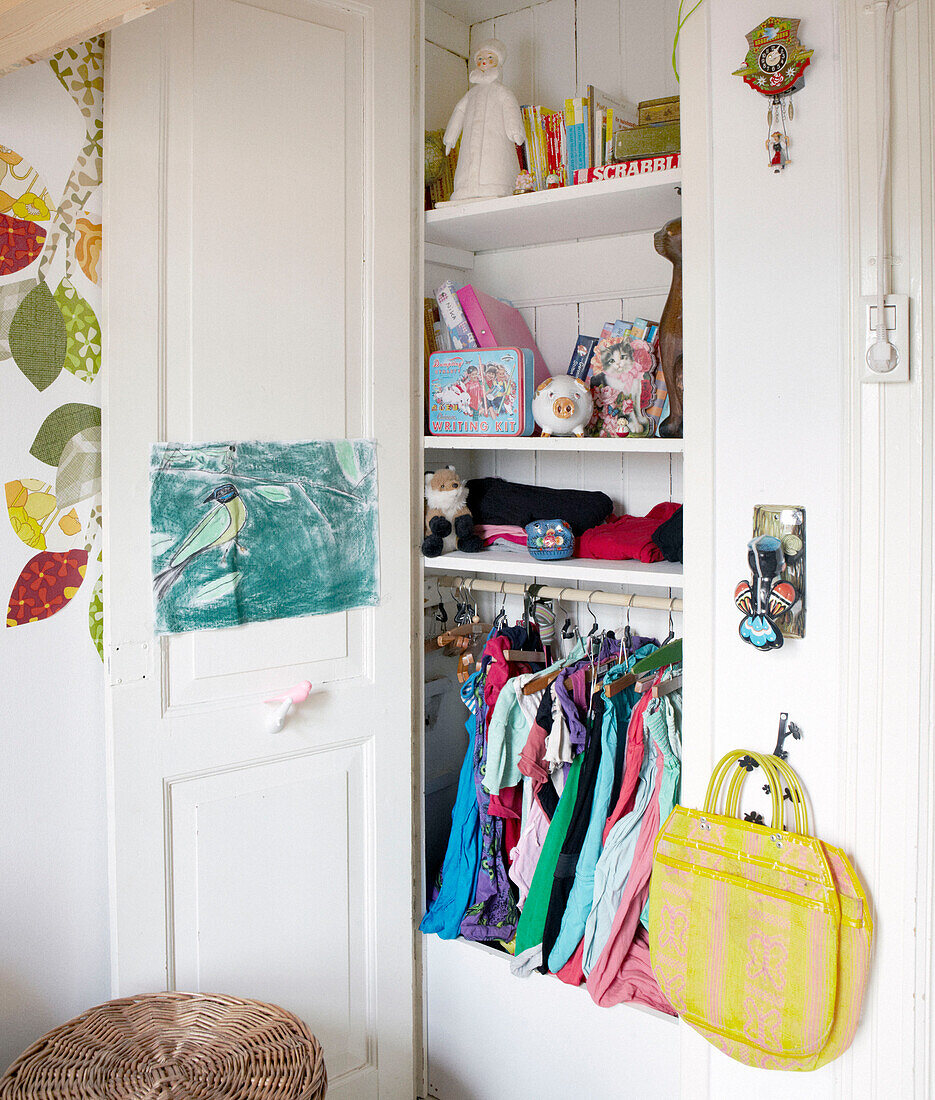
{"x":481,"y":391}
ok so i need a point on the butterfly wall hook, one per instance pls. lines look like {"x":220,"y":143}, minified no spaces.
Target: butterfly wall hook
{"x":766,"y":597}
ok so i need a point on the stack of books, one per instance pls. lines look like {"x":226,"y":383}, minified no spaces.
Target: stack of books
{"x":597,"y":137}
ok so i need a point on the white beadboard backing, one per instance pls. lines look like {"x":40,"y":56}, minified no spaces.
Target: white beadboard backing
{"x":556,"y":48}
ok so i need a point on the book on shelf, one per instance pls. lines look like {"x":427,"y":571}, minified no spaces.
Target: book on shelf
{"x":576,"y":133}
{"x":544,"y":147}
{"x":580,"y":365}
{"x":639,"y":166}
{"x":497,"y":324}
{"x":606,"y":115}
{"x":452,"y":315}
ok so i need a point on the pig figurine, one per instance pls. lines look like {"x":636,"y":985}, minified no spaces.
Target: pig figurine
{"x":562,"y":405}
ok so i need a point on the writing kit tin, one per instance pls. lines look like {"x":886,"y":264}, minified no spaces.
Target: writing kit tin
{"x":481,"y":391}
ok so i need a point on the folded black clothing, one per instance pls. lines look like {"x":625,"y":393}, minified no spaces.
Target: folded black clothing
{"x":493,"y":500}
{"x":668,"y":537}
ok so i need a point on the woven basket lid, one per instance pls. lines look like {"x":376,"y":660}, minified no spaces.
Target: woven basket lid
{"x":172,"y":1046}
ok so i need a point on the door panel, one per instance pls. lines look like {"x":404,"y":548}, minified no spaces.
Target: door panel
{"x":290,"y":830}
{"x":251,"y":257}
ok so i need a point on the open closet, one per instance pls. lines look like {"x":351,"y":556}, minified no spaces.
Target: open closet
{"x":570,"y":259}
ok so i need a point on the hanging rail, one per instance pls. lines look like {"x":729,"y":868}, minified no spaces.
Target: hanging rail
{"x":551,"y":592}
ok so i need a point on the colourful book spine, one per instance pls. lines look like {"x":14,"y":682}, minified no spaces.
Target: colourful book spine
{"x":451,"y":313}
{"x":580,"y":365}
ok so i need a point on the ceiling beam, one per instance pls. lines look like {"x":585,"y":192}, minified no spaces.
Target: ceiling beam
{"x":32,"y":30}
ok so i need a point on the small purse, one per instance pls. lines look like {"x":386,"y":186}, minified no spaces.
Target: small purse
{"x":550,"y":539}
{"x":759,"y":937}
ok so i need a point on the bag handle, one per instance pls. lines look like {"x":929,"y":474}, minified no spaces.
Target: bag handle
{"x":777,"y":772}
{"x":725,"y":764}
{"x":799,"y":801}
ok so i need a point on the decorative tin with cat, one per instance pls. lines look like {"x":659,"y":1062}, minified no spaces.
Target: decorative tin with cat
{"x":622,"y":387}
{"x":481,"y":391}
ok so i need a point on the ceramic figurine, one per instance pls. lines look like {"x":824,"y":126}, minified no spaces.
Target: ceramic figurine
{"x":668,"y":243}
{"x":777,"y":147}
{"x":490,"y":124}
{"x":562,"y":406}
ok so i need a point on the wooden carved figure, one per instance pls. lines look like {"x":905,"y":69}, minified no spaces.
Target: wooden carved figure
{"x":668,"y":243}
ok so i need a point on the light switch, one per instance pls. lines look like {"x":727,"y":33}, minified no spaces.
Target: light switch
{"x":897,"y":331}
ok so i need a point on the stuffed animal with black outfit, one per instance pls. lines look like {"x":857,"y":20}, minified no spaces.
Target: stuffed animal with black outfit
{"x":448,"y":521}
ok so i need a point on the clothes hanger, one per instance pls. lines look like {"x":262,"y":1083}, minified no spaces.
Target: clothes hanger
{"x":541,"y":682}
{"x":671,"y":635}
{"x":527,"y":656}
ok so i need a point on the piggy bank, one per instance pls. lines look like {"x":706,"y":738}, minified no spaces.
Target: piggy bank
{"x":562,"y":405}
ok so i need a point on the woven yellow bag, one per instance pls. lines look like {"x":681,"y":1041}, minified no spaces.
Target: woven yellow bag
{"x":760,"y":938}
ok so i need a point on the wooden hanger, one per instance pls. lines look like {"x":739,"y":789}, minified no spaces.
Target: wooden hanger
{"x":674,"y":683}
{"x":462,"y":632}
{"x":615,"y":686}
{"x":525,"y":655}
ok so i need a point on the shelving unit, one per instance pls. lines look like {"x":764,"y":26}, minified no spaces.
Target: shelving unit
{"x":570,"y":259}
{"x":599,"y":209}
{"x":507,"y":563}
{"x":552,"y":444}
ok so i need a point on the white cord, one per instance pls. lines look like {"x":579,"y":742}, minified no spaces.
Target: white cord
{"x":882,"y":355}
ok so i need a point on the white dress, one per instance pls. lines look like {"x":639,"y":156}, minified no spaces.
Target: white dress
{"x":489,"y":119}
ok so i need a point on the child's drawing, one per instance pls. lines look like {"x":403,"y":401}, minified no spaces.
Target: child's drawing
{"x":291,"y":530}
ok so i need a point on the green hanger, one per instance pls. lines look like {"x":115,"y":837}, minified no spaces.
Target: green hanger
{"x":670,"y":654}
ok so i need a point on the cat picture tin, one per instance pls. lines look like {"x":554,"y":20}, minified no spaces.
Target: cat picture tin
{"x":481,"y":391}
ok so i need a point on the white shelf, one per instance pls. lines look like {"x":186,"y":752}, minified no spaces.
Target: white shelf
{"x":504,"y":563}
{"x":600,"y":209}
{"x":551,"y":443}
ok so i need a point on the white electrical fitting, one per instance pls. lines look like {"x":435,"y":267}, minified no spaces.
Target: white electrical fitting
{"x":882,"y":356}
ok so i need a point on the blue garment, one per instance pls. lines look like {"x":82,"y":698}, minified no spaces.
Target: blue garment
{"x":454,"y":889}
{"x":616,"y":718}
{"x":665,"y":724}
{"x":613,"y":864}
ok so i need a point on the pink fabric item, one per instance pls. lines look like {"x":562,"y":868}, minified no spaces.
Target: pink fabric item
{"x":626,"y":537}
{"x":528,"y":848}
{"x":532,"y":759}
{"x":491,"y":532}
{"x":499,"y":671}
{"x":636,"y":981}
{"x":632,"y":765}
{"x":607,"y":983}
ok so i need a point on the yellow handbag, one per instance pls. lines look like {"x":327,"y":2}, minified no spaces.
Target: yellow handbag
{"x":759,"y":937}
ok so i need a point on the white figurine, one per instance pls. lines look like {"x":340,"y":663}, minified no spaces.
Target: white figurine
{"x":489,"y":121}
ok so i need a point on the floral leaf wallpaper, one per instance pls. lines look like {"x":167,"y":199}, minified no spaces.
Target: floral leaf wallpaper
{"x":50,"y":346}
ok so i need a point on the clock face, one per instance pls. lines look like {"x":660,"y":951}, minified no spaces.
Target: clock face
{"x":772,"y":58}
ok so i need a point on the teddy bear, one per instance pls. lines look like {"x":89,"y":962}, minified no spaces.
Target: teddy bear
{"x":448,"y":521}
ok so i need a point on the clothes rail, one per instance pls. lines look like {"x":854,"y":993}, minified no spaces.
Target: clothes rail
{"x":563,"y":595}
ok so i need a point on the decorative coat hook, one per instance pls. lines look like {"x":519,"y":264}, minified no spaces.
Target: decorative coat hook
{"x":786,"y":729}
{"x":298,"y":694}
{"x":767,"y":597}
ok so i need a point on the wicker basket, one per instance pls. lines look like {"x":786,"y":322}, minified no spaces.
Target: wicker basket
{"x":172,"y":1046}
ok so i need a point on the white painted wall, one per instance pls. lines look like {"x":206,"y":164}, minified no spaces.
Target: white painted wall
{"x":54,"y":928}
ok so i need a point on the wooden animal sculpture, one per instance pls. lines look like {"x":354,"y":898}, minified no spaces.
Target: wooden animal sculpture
{"x":668,"y":243}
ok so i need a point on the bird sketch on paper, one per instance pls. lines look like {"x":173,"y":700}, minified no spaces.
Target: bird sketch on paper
{"x":292,"y":531}
{"x":220,"y":527}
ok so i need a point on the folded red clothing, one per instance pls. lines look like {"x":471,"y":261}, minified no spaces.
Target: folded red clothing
{"x":623,"y":537}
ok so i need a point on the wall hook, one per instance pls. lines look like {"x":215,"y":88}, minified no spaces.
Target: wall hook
{"x":298,"y":694}
{"x":786,"y":729}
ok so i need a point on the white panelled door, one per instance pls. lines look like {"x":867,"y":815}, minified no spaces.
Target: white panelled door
{"x":258,"y":281}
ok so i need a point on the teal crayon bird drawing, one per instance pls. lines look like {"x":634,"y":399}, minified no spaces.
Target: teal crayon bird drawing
{"x":220,"y":527}
{"x":292,"y":529}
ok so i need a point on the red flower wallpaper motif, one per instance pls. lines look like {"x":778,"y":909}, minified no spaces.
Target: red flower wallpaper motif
{"x":46,"y":584}
{"x":20,"y":243}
